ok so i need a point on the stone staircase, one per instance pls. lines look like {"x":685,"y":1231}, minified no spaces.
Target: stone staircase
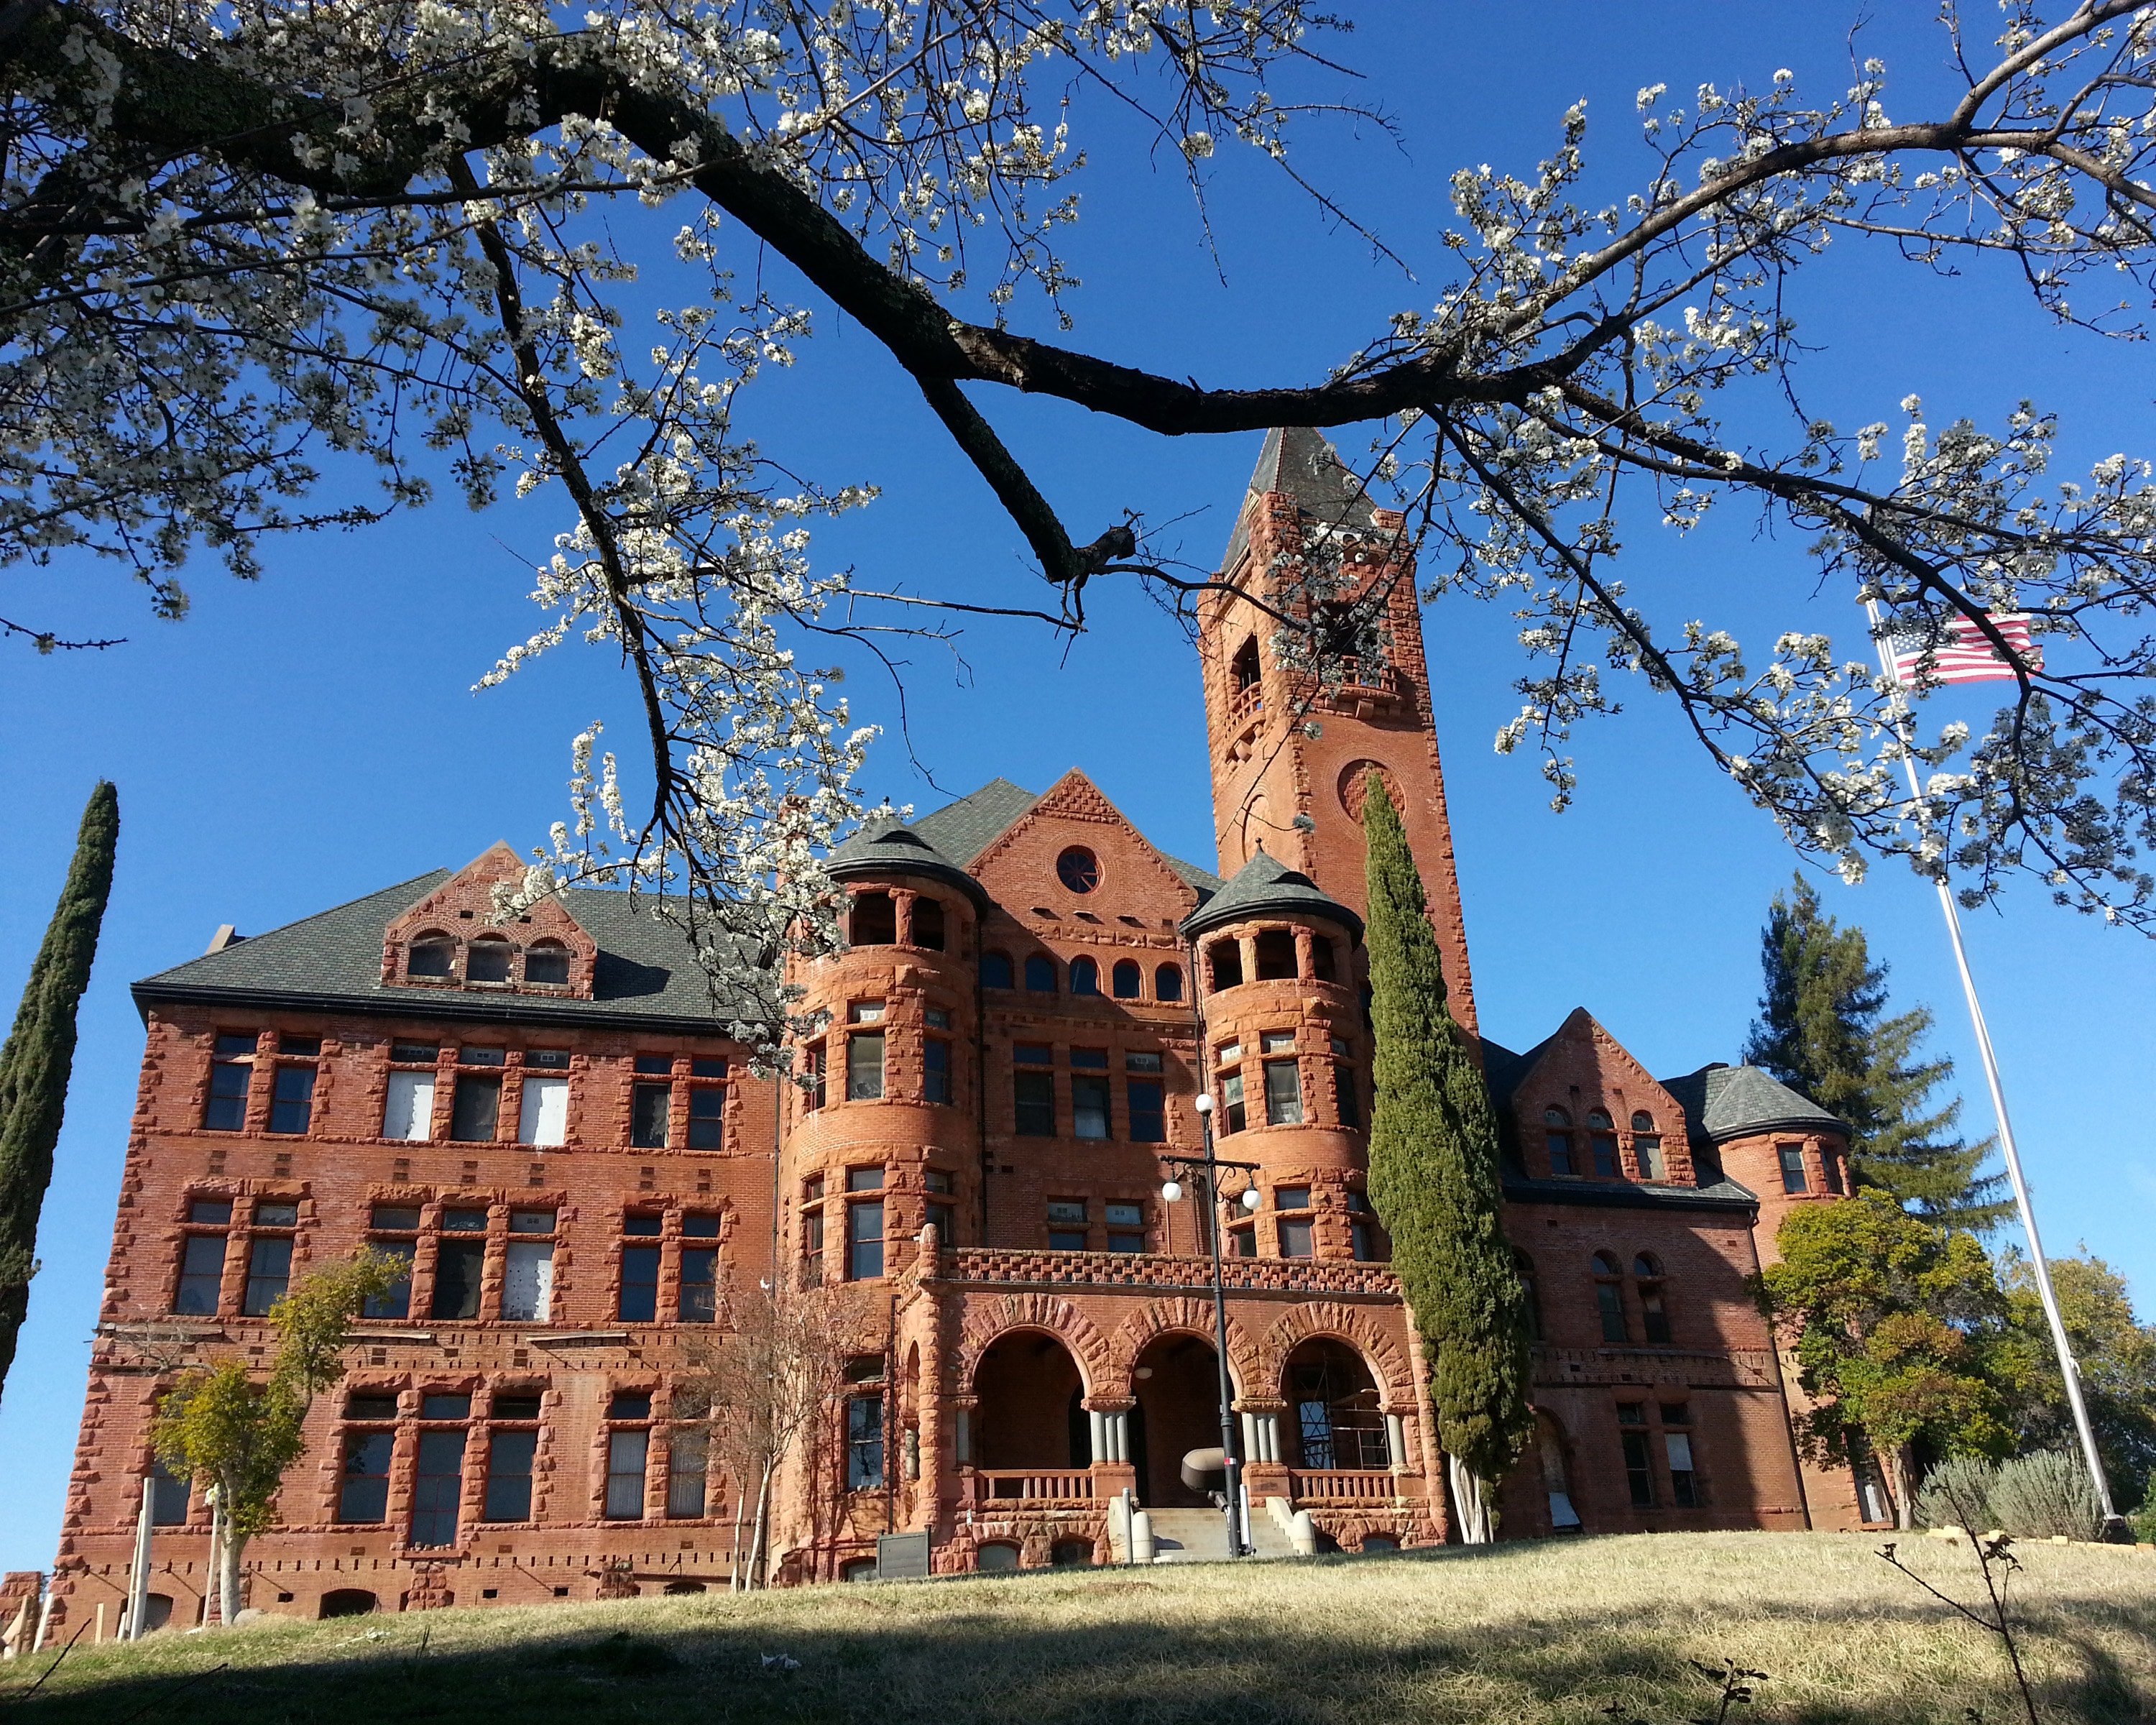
{"x":1200,"y":1536}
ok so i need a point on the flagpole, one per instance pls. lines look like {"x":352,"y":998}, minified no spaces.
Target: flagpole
{"x":2069,"y":1372}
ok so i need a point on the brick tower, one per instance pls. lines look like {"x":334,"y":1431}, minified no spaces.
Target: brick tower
{"x":1289,"y":757}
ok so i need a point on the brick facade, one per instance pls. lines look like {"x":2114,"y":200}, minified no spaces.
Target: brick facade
{"x":547,"y":1115}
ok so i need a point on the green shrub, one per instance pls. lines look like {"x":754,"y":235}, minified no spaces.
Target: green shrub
{"x":2143,"y":1521}
{"x":1957,"y":1493}
{"x":2048,"y":1493}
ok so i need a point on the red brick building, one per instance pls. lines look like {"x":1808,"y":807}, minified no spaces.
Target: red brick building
{"x":548,"y":1119}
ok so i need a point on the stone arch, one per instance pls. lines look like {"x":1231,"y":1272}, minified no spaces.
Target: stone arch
{"x":1159,"y":1317}
{"x":993,"y":1318}
{"x":1360,"y":1331}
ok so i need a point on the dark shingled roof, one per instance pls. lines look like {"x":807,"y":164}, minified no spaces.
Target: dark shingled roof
{"x":889,"y":847}
{"x":1301,"y":463}
{"x":1266,"y":884}
{"x":963,"y":829}
{"x":1729,"y":1101}
{"x":647,"y":972}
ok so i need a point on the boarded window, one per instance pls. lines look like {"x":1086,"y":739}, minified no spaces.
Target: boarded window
{"x":429,"y":956}
{"x":487,"y":960}
{"x":409,"y":1113}
{"x":544,"y":1116}
{"x":527,"y":1283}
{"x":627,"y":1452}
{"x":546,"y":963}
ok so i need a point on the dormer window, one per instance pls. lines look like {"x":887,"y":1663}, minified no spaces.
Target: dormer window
{"x":546,"y":962}
{"x":429,"y":956}
{"x":486,"y":960}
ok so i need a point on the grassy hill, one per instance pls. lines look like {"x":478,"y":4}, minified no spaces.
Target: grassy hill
{"x":1547,"y":1631}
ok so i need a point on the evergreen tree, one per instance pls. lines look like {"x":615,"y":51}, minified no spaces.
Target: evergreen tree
{"x":1821,"y":1031}
{"x":1434,"y":1181}
{"x":39,"y":1055}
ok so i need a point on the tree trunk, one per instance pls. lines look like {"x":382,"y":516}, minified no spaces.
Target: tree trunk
{"x":1905,"y":1508}
{"x":1467,"y":1499}
{"x":734,"y":1561}
{"x":235,"y":1547}
{"x":756,"y":1540}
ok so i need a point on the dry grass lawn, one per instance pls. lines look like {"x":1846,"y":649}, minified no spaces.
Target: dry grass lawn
{"x":1526,"y":1633}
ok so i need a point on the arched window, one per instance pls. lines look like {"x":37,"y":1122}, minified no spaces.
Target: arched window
{"x":1609,"y":1297}
{"x":1556,"y":1134}
{"x":1647,"y":1148}
{"x":1275,"y":956}
{"x":1602,"y":1142}
{"x":1071,"y":1553}
{"x":1226,"y":957}
{"x":996,"y":1557}
{"x":874,"y":921}
{"x":1526,"y":1266}
{"x":1040,"y":974}
{"x":1647,"y":1271}
{"x":429,"y":956}
{"x":996,"y":970}
{"x":546,"y":962}
{"x":486,"y":960}
{"x":1167,"y":982}
{"x":927,"y":930}
{"x":1321,"y":960}
{"x":1245,"y":668}
{"x":1085,"y":977}
{"x":1127,"y":979}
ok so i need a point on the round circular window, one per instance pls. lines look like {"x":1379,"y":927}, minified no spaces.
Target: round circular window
{"x":1078,"y":869}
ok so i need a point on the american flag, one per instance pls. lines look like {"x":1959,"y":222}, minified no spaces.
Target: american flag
{"x":1968,"y":656}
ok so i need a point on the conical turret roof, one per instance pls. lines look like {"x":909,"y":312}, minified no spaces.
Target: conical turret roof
{"x":888,"y":846}
{"x":1265,"y":886}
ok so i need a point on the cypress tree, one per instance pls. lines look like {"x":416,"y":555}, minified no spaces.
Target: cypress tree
{"x":1434,"y":1180}
{"x":39,"y":1054}
{"x":1822,"y":1030}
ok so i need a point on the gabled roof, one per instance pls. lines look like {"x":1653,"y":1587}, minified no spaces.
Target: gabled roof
{"x":1265,"y":884}
{"x":647,"y":972}
{"x":962,"y":830}
{"x":889,"y":847}
{"x":1725,"y":1101}
{"x":1300,"y":464}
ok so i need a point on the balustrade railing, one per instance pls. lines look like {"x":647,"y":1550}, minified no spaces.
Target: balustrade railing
{"x":1008,"y":1485}
{"x":1341,"y":1484}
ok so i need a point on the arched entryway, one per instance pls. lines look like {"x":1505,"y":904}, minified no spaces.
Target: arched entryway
{"x":1176,"y":1381}
{"x":1333,"y":1418}
{"x":1030,"y":1405}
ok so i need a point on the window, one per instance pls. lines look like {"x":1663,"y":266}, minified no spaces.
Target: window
{"x":1322,"y":965}
{"x":1089,"y":1092}
{"x":812,"y":1077}
{"x":232,"y":1066}
{"x":708,"y":1066}
{"x":363,"y":1495}
{"x":1242,"y":670}
{"x":482,"y":1056}
{"x":1648,"y":1273}
{"x":511,"y":1445}
{"x":1295,"y":1238}
{"x":1346,"y":1095}
{"x":1225,"y":958}
{"x":864,"y":1443}
{"x":707,"y":1116}
{"x":874,"y":921}
{"x":415,"y":1054}
{"x":1275,"y":956}
{"x":438,"y":1486}
{"x":1040,"y":974}
{"x":1078,"y":869}
{"x":1033,"y":1090}
{"x":1085,"y":977}
{"x":650,"y":1114}
{"x":644,"y":1224}
{"x":543,"y":1118}
{"x":1126,"y":980}
{"x":864,"y":1235}
{"x":168,"y":1497}
{"x":476,"y":1108}
{"x":1558,"y":1135}
{"x":628,"y":1454}
{"x":996,"y":970}
{"x":688,"y":1465}
{"x":1676,"y":1446}
{"x":394,"y":1231}
{"x":428,"y":956}
{"x":1167,"y":982}
{"x":1602,"y":1142}
{"x":935,"y":1071}
{"x":269,"y":1272}
{"x":1067,"y":1231}
{"x":1126,"y":1227}
{"x":292,"y":1100}
{"x":812,"y":1223}
{"x":699,"y":1300}
{"x":202,"y":1268}
{"x":1283,"y":1093}
{"x":927,"y":929}
{"x":1639,"y":1459}
{"x":1647,"y":1148}
{"x":486,"y":960}
{"x":1233,"y":1114}
{"x":460,"y":1263}
{"x":1531,"y":1293}
{"x":865,"y":1066}
{"x":1292,"y":1197}
{"x":639,"y":1278}
{"x":945,"y":1219}
{"x":1792,"y":1158}
{"x":546,"y":962}
{"x":408,"y":1114}
{"x":1147,"y":1100}
{"x":1830,"y":1167}
{"x":1610,"y":1298}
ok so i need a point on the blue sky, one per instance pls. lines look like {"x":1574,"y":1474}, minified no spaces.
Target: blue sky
{"x":305,"y":739}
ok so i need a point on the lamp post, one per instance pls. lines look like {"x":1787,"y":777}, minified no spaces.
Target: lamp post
{"x":1204,"y":1173}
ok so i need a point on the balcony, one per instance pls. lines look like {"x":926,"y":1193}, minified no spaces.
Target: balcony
{"x":988,"y":1485}
{"x":1335,"y":1485}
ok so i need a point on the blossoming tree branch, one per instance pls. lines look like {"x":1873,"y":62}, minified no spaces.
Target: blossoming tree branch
{"x":242,"y":242}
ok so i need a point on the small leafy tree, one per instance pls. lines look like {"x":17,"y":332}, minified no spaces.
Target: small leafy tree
{"x":1896,"y":1324}
{"x":2115,"y":1353}
{"x":1433,"y":1179}
{"x":39,"y":1057}
{"x":1822,"y":1028}
{"x":222,"y":1425}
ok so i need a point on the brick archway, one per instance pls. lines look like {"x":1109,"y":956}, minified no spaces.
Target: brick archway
{"x":985,"y":1322}
{"x":1360,"y":1331}
{"x":1160,"y":1318}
